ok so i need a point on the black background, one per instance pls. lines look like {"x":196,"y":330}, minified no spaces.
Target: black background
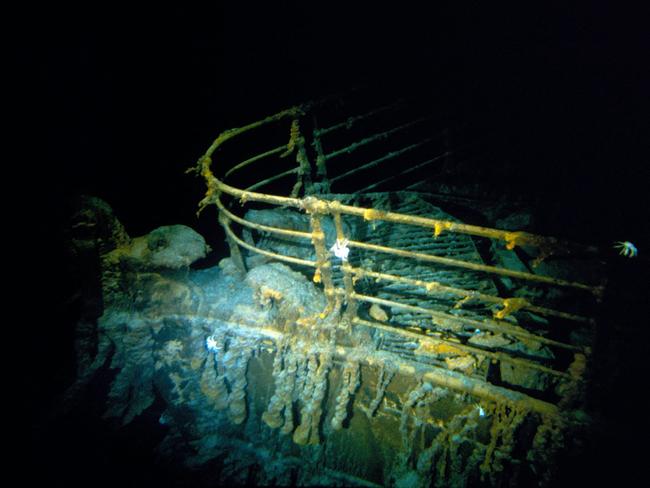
{"x":128,"y":99}
{"x":120,"y":102}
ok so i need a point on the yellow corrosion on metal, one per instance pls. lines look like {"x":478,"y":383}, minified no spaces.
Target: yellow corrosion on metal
{"x":406,"y":369}
{"x":317,"y":276}
{"x":578,"y":366}
{"x":462,"y":302}
{"x":428,"y":346}
{"x":512,"y":239}
{"x":267,"y":294}
{"x":488,"y":392}
{"x":475,"y":267}
{"x":322,"y":258}
{"x":438,"y":345}
{"x":348,"y":281}
{"x":491,"y":325}
{"x":511,"y":305}
{"x":372,"y":214}
{"x":438,"y":227}
{"x":315,"y":205}
{"x":438,"y":376}
{"x":317,"y":208}
{"x":203,"y":167}
{"x":294,"y":135}
{"x":435,"y":288}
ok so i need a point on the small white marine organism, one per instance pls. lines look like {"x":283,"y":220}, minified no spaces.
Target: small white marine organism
{"x":211,"y":344}
{"x":480,"y":409}
{"x":626,"y":249}
{"x":340,"y":249}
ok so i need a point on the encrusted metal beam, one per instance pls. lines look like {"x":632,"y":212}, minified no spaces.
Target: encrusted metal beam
{"x":411,"y":169}
{"x":280,"y":257}
{"x":477,"y":267}
{"x":497,"y":356}
{"x":323,"y":265}
{"x":261,"y":227}
{"x":435,"y":288}
{"x":350,"y":121}
{"x":485,"y":324}
{"x":367,"y":140}
{"x":243,"y":164}
{"x":271,"y":179}
{"x":511,"y":238}
{"x":375,"y":162}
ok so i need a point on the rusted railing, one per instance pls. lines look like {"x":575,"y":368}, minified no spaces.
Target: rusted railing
{"x":301,"y":195}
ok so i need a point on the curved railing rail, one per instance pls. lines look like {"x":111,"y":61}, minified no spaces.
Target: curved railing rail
{"x":302,"y":194}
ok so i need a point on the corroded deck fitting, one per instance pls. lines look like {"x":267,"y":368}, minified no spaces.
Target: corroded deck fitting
{"x":456,"y":356}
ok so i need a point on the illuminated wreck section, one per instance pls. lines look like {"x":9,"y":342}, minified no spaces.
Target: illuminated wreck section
{"x":364,"y":337}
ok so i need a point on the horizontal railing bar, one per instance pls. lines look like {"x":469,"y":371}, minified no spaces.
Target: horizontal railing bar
{"x":230,"y":133}
{"x":367,"y":140}
{"x":261,"y":227}
{"x":354,"y":119}
{"x":462,"y":347}
{"x":519,"y":238}
{"x":245,"y":196}
{"x":255,"y":158}
{"x":406,"y":171}
{"x":472,"y":266}
{"x":460,"y":382}
{"x":279,"y":257}
{"x":372,"y":164}
{"x":465,"y":321}
{"x":445,"y":225}
{"x":370,"y":214}
{"x":272,"y":179}
{"x":512,"y":238}
{"x":204,"y":163}
{"x":435,"y":288}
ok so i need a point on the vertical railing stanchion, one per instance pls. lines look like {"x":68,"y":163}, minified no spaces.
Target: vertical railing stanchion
{"x":235,"y":253}
{"x":323,"y":265}
{"x":348,"y":282}
{"x":321,"y":165}
{"x":304,"y":166}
